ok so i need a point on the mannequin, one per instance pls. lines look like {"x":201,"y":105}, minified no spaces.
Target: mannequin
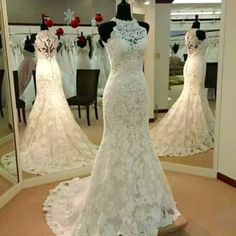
{"x":82,"y":41}
{"x":123,"y":13}
{"x":84,"y":52}
{"x":201,"y":35}
{"x":175,"y":48}
{"x":43,"y":26}
{"x":196,"y":23}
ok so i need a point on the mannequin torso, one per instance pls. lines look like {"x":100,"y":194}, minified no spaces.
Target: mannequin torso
{"x":123,"y":13}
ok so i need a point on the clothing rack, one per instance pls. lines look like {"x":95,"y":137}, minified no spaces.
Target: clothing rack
{"x":192,"y":19}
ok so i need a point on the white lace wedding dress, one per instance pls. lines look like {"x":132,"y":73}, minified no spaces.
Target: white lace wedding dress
{"x":127,"y":193}
{"x":52,"y":140}
{"x":188,"y":127}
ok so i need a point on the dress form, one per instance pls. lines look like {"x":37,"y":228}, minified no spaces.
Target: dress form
{"x":123,"y":13}
{"x":83,"y":52}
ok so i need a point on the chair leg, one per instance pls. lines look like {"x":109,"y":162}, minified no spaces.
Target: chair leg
{"x":19,"y":116}
{"x":87,"y":112}
{"x":96,"y":110}
{"x":79,"y":111}
{"x":24,"y":116}
{"x":1,"y":111}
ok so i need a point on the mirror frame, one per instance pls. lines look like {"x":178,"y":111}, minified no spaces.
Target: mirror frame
{"x":151,"y":57}
{"x":5,"y":42}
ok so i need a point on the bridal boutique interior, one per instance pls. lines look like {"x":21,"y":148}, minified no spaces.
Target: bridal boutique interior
{"x":79,"y":49}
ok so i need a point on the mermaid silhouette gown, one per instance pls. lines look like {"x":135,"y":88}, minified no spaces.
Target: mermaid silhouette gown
{"x":52,"y":141}
{"x":127,"y":193}
{"x":188,"y":127}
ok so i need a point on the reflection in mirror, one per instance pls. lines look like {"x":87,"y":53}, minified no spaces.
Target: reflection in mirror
{"x":51,"y":85}
{"x":185,"y":135}
{"x":8,"y":171}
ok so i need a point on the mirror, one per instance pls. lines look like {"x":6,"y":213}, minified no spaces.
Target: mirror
{"x":52,"y":141}
{"x":184,"y":132}
{"x":8,"y":169}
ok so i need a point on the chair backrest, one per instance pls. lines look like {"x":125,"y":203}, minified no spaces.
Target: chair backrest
{"x":87,"y":83}
{"x":211,"y":75}
{"x":16,"y":84}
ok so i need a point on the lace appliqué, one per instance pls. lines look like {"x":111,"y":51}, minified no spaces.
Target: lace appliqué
{"x":46,"y":44}
{"x":130,"y":31}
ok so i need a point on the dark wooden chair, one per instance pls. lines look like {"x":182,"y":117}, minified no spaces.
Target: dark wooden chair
{"x":211,"y":75}
{"x":20,"y":104}
{"x":86,"y":91}
{"x":1,"y":82}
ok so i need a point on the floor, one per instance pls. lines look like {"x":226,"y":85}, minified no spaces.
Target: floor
{"x":4,"y":128}
{"x":4,"y":186}
{"x":208,"y":204}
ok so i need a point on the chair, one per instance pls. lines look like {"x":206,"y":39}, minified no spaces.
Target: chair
{"x":1,"y":82}
{"x":86,"y":91}
{"x":211,"y":75}
{"x":20,"y":104}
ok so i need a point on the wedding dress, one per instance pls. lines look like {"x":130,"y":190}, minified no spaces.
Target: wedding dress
{"x":188,"y":127}
{"x":52,"y":140}
{"x":83,"y":57}
{"x":127,"y":193}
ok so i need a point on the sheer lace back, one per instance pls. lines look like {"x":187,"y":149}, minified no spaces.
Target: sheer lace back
{"x":46,"y":45}
{"x":193,"y":44}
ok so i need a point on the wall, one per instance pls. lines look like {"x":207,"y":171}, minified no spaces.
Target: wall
{"x":226,"y":110}
{"x":162,"y":55}
{"x":29,"y":11}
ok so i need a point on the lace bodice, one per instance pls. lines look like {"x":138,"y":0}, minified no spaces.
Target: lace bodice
{"x":46,"y":45}
{"x":125,"y":37}
{"x":194,"y":45}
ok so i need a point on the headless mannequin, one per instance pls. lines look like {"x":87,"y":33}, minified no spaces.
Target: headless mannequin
{"x":201,"y":35}
{"x":175,"y":48}
{"x":196,"y":23}
{"x":123,"y":13}
{"x":43,"y":26}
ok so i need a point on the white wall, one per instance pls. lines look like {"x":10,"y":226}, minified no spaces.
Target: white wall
{"x":162,"y":43}
{"x":226,"y":110}
{"x":29,"y":11}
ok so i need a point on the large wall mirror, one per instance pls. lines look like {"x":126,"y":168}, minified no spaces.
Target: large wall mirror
{"x":8,"y":161}
{"x":178,"y":105}
{"x":53,"y":143}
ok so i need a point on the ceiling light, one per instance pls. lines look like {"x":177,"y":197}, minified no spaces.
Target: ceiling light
{"x":146,"y":2}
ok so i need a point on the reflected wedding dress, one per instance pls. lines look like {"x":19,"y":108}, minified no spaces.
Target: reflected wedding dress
{"x":188,"y":127}
{"x":127,"y":193}
{"x":52,"y":141}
